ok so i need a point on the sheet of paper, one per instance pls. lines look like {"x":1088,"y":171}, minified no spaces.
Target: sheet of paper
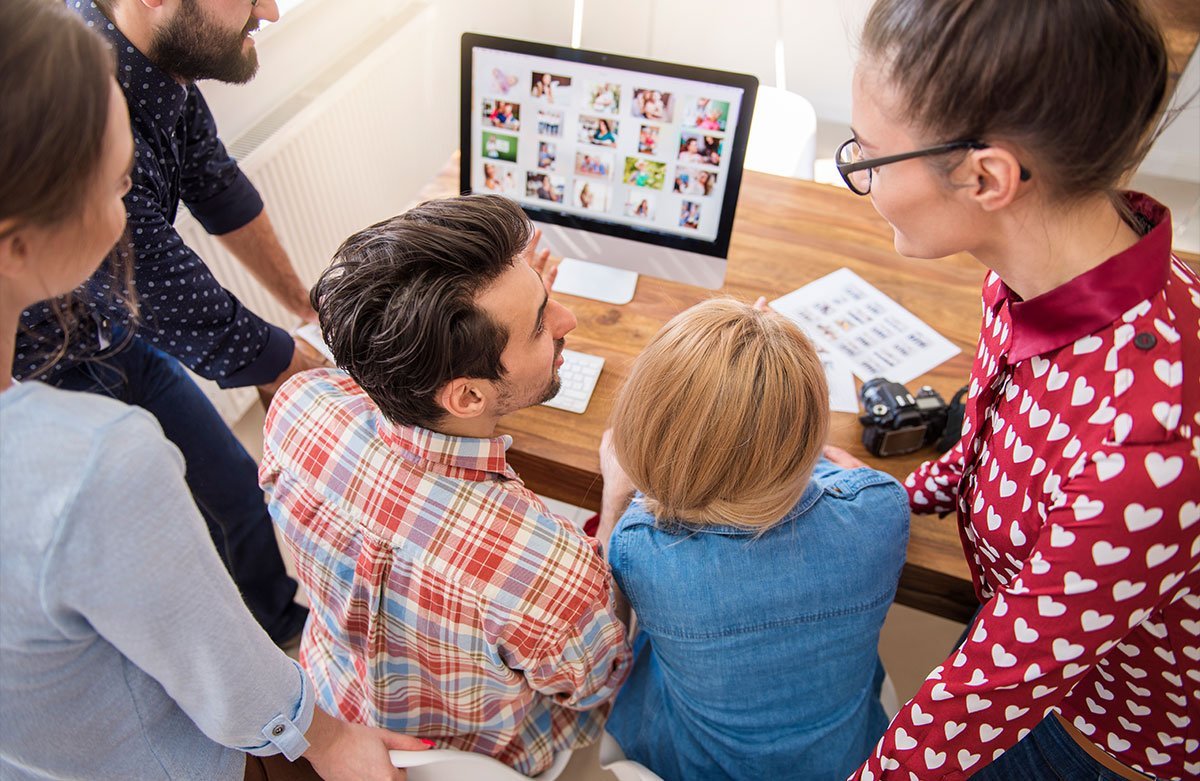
{"x":855,"y":322}
{"x":311,"y":333}
{"x":843,"y":396}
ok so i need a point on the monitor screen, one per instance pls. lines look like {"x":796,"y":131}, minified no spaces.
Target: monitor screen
{"x":633,"y":148}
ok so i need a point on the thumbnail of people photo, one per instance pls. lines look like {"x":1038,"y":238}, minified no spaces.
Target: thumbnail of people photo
{"x":547,"y":154}
{"x":499,"y":179}
{"x":591,"y":195}
{"x":693,"y":181}
{"x":645,"y":173}
{"x":639,"y":205}
{"x":697,"y":148}
{"x":689,"y":215}
{"x":597,"y":130}
{"x":499,"y":146}
{"x":604,"y":97}
{"x":544,"y":186}
{"x":707,"y":114}
{"x":648,"y":139}
{"x":595,"y":163}
{"x":653,"y":104}
{"x":550,"y":88}
{"x":549,"y":123}
{"x":502,"y":114}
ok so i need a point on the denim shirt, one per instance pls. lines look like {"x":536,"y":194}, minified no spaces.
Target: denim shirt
{"x":757,"y":655}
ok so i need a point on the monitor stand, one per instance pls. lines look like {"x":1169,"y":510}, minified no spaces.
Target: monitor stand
{"x":592,"y":280}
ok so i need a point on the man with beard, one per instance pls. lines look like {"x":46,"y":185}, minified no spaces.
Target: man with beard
{"x":162,"y":47}
{"x":448,"y":601}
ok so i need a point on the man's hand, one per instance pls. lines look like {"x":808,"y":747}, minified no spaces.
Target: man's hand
{"x":352,"y":752}
{"x":304,"y":357}
{"x":539,"y":260}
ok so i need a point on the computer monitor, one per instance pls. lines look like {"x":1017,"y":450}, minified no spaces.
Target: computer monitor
{"x":624,"y":162}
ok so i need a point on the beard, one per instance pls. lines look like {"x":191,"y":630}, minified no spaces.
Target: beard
{"x":512,"y":399}
{"x":555,"y":381}
{"x":192,"y":47}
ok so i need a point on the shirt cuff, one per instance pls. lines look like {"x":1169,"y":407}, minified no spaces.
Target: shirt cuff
{"x":230,"y":209}
{"x":270,"y":363}
{"x":285,"y":735}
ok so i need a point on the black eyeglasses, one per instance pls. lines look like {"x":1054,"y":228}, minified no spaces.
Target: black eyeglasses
{"x":856,"y":171}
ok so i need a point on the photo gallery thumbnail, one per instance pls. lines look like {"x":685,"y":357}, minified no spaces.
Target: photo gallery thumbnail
{"x":602,"y":145}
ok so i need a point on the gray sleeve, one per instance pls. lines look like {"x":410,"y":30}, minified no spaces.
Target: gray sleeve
{"x":134,"y":559}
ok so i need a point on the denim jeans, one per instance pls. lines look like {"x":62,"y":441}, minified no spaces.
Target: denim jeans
{"x":222,"y":476}
{"x":1047,"y":753}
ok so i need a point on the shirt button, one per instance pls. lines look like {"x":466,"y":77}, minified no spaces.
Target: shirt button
{"x":1145,"y":341}
{"x":277,"y":730}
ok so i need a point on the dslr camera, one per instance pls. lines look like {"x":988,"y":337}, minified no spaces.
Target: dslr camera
{"x":896,"y":422}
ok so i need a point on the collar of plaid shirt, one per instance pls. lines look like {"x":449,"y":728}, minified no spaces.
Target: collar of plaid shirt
{"x":465,"y":457}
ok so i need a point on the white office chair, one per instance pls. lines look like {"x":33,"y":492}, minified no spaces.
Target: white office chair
{"x":888,"y":698}
{"x":451,"y":765}
{"x":783,"y":135}
{"x":612,"y":759}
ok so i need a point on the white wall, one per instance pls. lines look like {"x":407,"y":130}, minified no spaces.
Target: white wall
{"x":819,"y":37}
{"x":1176,"y":154}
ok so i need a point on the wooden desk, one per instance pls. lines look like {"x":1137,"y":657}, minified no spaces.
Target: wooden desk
{"x":787,"y":234}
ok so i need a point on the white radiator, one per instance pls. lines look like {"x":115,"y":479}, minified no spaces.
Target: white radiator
{"x":345,"y":152}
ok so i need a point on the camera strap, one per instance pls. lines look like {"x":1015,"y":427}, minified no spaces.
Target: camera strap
{"x":954,"y":422}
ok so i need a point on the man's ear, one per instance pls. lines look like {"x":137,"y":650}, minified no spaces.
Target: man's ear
{"x":463,"y":398}
{"x":995,"y":175}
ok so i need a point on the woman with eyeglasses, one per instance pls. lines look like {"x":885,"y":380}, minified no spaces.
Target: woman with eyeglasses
{"x":1004,"y":130}
{"x":125,"y":649}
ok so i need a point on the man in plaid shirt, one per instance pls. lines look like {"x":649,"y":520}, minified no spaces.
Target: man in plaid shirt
{"x":447,"y":601}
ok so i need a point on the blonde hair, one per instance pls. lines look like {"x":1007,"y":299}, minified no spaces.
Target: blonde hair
{"x":723,"y":417}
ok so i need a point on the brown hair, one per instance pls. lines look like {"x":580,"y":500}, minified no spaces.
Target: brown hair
{"x":56,"y":79}
{"x":397,"y":306}
{"x":723,"y":417}
{"x":55,"y":76}
{"x":1078,"y":86}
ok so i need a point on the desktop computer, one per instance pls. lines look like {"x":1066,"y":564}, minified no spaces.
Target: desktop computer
{"x":628,"y":165}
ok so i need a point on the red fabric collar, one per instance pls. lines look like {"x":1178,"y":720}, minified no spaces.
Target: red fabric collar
{"x":1095,"y":298}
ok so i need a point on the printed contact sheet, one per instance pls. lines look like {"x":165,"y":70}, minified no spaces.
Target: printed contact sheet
{"x":850,"y":319}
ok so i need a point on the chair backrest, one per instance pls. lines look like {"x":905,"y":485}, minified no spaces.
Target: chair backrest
{"x":783,"y":134}
{"x":451,"y":765}
{"x":612,"y":759}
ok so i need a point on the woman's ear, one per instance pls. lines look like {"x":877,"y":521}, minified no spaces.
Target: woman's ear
{"x":14,"y":249}
{"x":463,"y":398}
{"x":995,"y":175}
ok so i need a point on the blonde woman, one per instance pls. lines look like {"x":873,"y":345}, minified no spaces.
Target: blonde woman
{"x":760,"y":573}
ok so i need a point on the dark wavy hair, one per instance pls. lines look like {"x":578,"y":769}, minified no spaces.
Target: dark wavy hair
{"x":397,"y":306}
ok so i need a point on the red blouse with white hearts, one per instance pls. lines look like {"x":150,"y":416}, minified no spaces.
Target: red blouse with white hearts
{"x":1077,"y":489}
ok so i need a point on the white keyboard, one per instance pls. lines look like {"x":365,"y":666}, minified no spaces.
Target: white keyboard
{"x":578,"y":374}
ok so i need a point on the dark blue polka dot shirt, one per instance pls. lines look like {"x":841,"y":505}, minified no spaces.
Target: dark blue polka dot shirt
{"x":184,"y":311}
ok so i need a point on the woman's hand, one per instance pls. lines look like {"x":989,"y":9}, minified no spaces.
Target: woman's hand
{"x":352,"y":752}
{"x":841,"y":458}
{"x":618,"y":489}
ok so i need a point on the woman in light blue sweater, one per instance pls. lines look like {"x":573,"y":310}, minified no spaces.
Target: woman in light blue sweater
{"x":125,"y":649}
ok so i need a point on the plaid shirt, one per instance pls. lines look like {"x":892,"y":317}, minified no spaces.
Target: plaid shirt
{"x":447,"y":601}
